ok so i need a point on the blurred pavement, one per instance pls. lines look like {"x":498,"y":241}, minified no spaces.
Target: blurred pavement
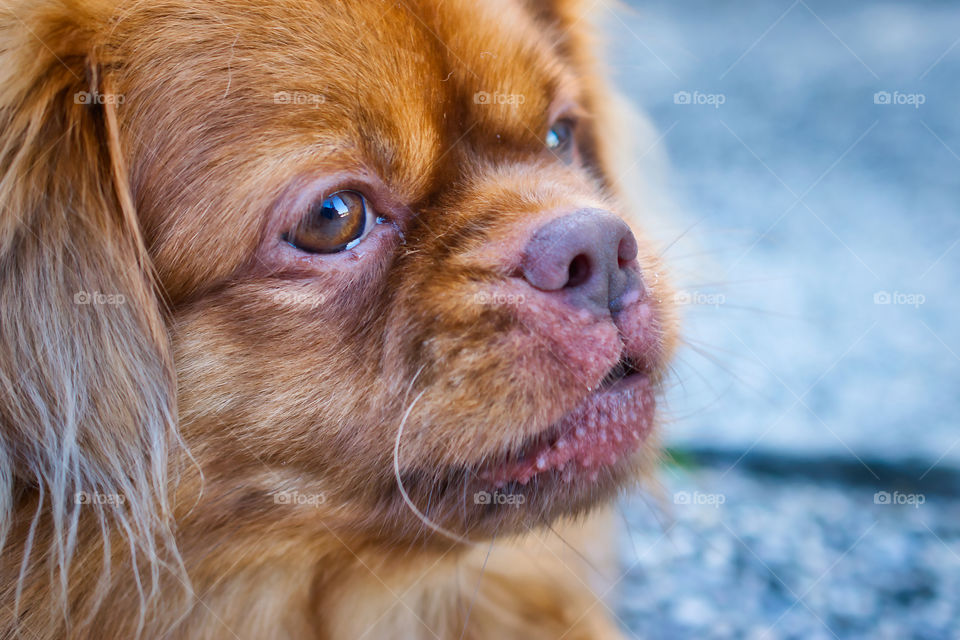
{"x":810,"y":200}
{"x":814,"y":152}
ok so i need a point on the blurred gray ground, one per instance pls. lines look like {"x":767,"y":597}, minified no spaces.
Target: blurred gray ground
{"x":818,"y":366}
{"x":749,"y":557}
{"x":814,"y":203}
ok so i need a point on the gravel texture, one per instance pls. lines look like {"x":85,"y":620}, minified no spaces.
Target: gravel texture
{"x":733,"y":555}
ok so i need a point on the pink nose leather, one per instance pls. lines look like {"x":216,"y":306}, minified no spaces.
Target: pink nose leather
{"x":583,"y":255}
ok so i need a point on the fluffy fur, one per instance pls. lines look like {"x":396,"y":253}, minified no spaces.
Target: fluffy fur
{"x":167,"y":370}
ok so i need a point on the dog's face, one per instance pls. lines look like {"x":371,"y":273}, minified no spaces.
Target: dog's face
{"x":376,"y":217}
{"x":395,"y":264}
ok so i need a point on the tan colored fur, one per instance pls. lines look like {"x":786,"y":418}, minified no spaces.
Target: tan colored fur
{"x":204,"y":394}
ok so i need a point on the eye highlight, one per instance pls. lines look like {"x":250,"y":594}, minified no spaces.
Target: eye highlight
{"x":334,"y":223}
{"x":559,"y":138}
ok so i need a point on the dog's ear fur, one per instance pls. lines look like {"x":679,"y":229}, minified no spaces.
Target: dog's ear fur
{"x":563,"y":14}
{"x":87,"y":386}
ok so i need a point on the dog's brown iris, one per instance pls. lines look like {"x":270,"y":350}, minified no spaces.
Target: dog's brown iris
{"x":332,"y":224}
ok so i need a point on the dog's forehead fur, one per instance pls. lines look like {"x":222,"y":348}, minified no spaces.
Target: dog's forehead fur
{"x":398,"y":84}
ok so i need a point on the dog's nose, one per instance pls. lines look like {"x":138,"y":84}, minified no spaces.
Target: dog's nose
{"x":585,"y":255}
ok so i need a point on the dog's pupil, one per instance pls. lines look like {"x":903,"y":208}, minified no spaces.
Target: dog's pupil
{"x":331,"y":224}
{"x":338,"y":217}
{"x":334,"y":207}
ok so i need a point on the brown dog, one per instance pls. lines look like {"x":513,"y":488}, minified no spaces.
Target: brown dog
{"x":305,"y":303}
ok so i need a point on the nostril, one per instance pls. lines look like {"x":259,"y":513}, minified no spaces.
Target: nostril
{"x":627,"y":250}
{"x":579,"y":271}
{"x":589,"y":255}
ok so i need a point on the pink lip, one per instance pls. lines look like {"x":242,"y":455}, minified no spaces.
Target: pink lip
{"x":603,"y":429}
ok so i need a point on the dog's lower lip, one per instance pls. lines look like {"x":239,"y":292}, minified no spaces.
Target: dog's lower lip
{"x":624,"y":369}
{"x":605,"y":427}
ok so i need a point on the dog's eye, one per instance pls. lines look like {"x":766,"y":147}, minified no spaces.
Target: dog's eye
{"x":334,"y":223}
{"x":560,"y":137}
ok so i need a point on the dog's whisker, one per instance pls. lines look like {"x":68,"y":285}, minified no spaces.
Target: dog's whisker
{"x":719,"y":364}
{"x":476,"y":591}
{"x":694,"y":343}
{"x":669,"y":418}
{"x":680,"y":237}
{"x":723,"y":284}
{"x":767,"y":312}
{"x":716,"y":361}
{"x":719,"y":251}
{"x":576,"y":551}
{"x":681,"y":382}
{"x":403,"y":492}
